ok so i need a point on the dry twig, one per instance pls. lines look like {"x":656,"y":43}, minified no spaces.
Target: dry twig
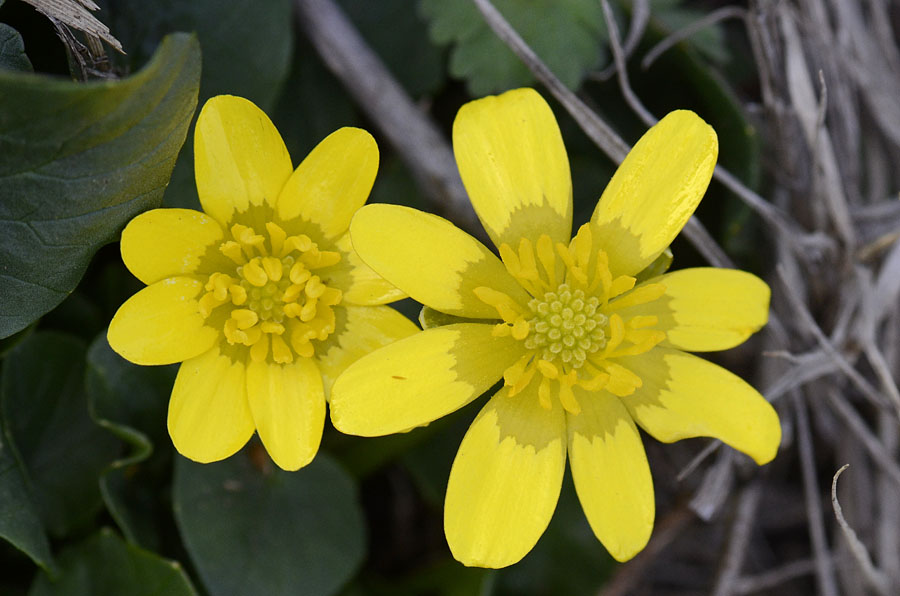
{"x":876,"y":580}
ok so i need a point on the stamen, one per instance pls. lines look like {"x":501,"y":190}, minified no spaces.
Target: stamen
{"x":510,"y":260}
{"x":640,"y":295}
{"x":272,"y":267}
{"x":501,"y":330}
{"x":566,"y":395}
{"x":520,"y":329}
{"x":574,"y":271}
{"x":547,"y":258}
{"x":281,"y":353}
{"x":620,"y":285}
{"x":238,"y":294}
{"x":260,"y":349}
{"x":583,"y":245}
{"x":616,"y":332}
{"x":570,"y":329}
{"x":244,"y":318}
{"x":506,"y":306}
{"x":544,"y":394}
{"x":276,"y":238}
{"x":314,"y":287}
{"x":602,"y":276}
{"x":254,"y":273}
{"x":641,"y":321}
{"x":622,"y":382}
{"x":272,"y":327}
{"x":270,"y":291}
{"x":299,"y":273}
{"x":300,"y":243}
{"x":292,"y":292}
{"x":232,"y":250}
{"x":248,"y":239}
{"x":309,"y":310}
{"x":526,"y":260}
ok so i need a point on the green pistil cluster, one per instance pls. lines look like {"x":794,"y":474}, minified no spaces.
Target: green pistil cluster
{"x":566,"y":326}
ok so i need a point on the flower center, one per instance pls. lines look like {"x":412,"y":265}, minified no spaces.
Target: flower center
{"x":572,"y":329}
{"x":272,"y":301}
{"x":566,"y":325}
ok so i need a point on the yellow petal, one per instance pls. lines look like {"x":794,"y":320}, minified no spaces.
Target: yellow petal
{"x":655,"y":191}
{"x":332,"y":182}
{"x":357,"y":281}
{"x":505,"y":480}
{"x":430,"y":259}
{"x":162,"y":324}
{"x":514,"y":166}
{"x":239,"y":157}
{"x":361,"y":330}
{"x":288,"y":406}
{"x":684,"y":396}
{"x":611,"y":474}
{"x":163,"y":243}
{"x":419,"y":379}
{"x":209,"y":418}
{"x":706,"y":309}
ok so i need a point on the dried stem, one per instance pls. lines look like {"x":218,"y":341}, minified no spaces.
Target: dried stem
{"x":875,"y":579}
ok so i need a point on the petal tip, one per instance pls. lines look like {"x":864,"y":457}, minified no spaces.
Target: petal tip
{"x":771,"y":438}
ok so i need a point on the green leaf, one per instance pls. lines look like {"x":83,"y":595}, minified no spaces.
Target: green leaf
{"x":247,"y":49}
{"x":79,"y":161}
{"x":20,"y":522}
{"x":251,"y":529}
{"x":246,"y":43}
{"x":568,"y":35}
{"x":60,"y":449}
{"x":403,"y":46}
{"x":130,"y":401}
{"x":8,"y":343}
{"x":442,"y":577}
{"x":104,"y":564}
{"x":710,"y":41}
{"x":12,"y":50}
{"x":313,"y":104}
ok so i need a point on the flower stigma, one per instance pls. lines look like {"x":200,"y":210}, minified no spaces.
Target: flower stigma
{"x":571,"y":330}
{"x":271,"y":301}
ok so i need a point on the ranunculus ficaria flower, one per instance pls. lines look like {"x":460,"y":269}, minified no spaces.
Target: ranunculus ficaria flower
{"x":587,"y":353}
{"x":261,"y":297}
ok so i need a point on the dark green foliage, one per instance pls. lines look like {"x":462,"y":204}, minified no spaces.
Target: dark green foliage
{"x":79,"y":161}
{"x":104,"y":564}
{"x":253,"y":529}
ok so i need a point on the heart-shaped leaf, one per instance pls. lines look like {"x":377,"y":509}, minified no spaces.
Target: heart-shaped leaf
{"x":79,"y":161}
{"x":130,"y":401}
{"x":59,"y":449}
{"x":253,"y":529}
{"x":104,"y":564}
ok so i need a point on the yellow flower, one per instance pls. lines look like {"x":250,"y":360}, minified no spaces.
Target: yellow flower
{"x":262,"y":296}
{"x":586,"y":353}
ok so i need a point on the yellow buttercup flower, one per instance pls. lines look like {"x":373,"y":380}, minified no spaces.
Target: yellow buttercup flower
{"x":262,"y":296}
{"x":586,"y":352}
